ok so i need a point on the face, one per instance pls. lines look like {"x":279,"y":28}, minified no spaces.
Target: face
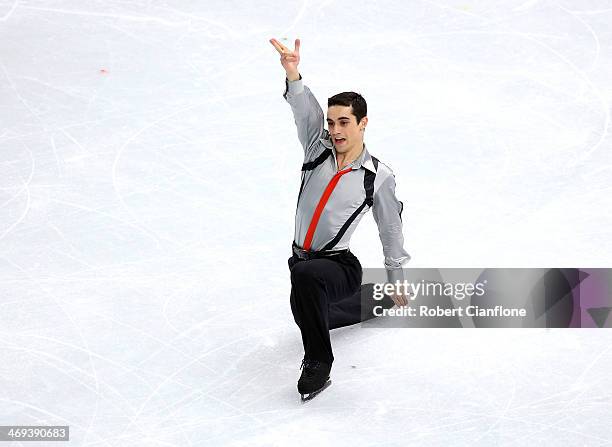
{"x":345,"y":132}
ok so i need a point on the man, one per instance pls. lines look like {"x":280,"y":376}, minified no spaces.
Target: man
{"x":341,"y":181}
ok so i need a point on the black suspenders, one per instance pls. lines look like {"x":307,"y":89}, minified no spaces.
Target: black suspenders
{"x":309,"y":166}
{"x":317,"y":161}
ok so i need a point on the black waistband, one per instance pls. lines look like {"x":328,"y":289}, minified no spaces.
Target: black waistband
{"x":303,"y":254}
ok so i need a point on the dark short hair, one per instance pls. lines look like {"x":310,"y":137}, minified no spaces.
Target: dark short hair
{"x":355,"y":100}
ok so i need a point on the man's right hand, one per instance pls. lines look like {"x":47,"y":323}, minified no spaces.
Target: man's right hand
{"x":289,"y":59}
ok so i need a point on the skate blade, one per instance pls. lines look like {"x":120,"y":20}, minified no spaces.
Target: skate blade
{"x":307,"y":397}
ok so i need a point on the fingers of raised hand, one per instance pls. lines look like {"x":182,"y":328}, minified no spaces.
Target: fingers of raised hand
{"x":289,"y":57}
{"x":282,"y":49}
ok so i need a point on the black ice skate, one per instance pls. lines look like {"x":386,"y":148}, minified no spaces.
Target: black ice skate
{"x":314,"y":378}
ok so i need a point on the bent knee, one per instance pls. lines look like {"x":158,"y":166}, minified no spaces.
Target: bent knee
{"x":303,"y":271}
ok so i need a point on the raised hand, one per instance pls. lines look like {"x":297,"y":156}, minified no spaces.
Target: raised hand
{"x":289,"y":59}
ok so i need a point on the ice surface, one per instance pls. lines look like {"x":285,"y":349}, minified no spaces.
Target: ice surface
{"x":149,"y":168}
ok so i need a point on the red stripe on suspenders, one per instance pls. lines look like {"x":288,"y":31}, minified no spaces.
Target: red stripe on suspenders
{"x":319,"y":209}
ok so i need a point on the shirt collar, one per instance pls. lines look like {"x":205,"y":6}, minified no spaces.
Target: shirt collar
{"x":364,"y":160}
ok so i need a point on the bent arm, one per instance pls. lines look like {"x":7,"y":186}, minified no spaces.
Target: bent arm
{"x":306,"y":110}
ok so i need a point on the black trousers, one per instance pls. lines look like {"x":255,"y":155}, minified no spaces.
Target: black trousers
{"x":326,"y":294}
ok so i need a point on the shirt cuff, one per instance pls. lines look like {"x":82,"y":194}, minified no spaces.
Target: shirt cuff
{"x":395,"y":275}
{"x":293,"y":87}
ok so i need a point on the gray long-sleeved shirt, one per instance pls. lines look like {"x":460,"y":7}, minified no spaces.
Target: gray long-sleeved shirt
{"x":368,"y":184}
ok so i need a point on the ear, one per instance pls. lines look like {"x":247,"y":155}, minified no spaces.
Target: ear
{"x":363,"y":123}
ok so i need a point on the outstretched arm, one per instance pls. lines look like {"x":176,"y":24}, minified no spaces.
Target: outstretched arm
{"x":307,"y":112}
